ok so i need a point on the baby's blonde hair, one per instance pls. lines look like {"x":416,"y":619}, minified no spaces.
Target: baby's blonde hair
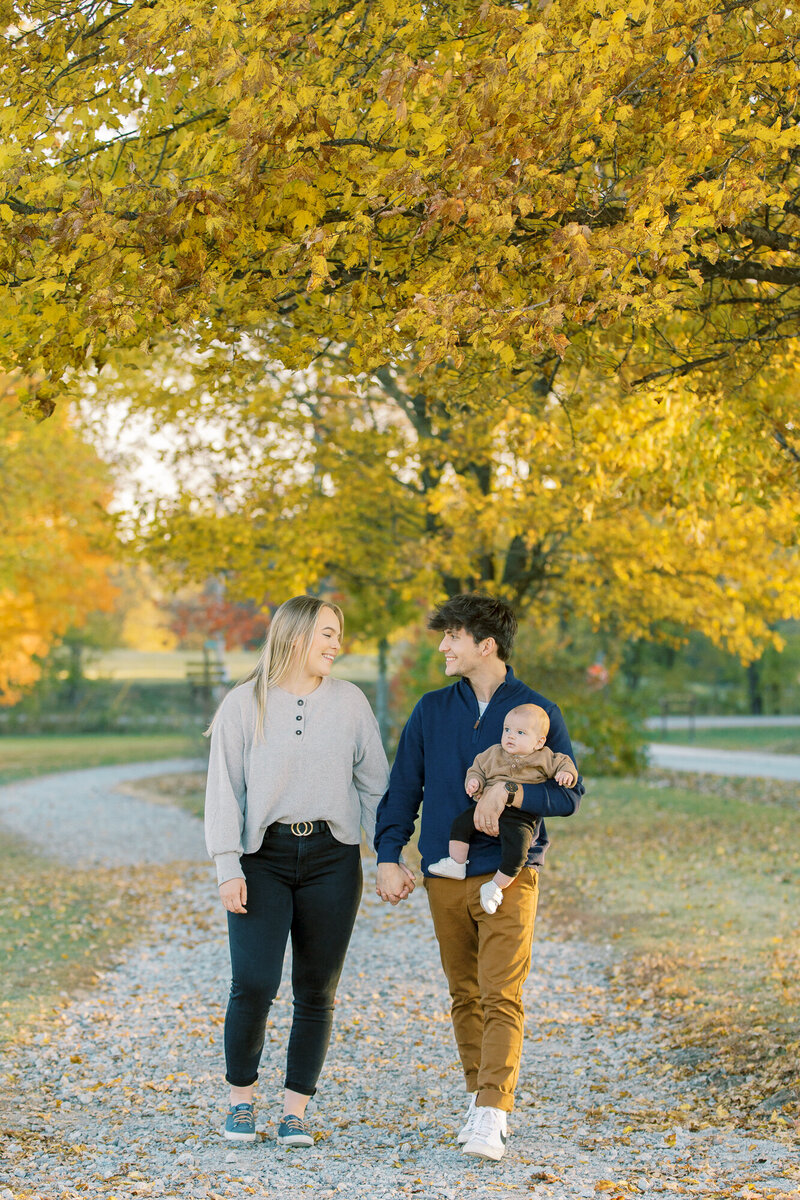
{"x":534,"y":713}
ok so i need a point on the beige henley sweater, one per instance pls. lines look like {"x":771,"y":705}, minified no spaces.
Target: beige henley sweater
{"x":320,"y":759}
{"x":496,"y":765}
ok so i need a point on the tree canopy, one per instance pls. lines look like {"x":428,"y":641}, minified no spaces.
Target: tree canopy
{"x":583,"y":504}
{"x":447,"y":177}
{"x":472,"y":292}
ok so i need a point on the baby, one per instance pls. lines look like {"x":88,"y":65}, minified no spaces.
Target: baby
{"x":521,"y":757}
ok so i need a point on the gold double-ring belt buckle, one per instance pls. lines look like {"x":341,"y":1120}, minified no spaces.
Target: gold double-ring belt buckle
{"x":302,"y":828}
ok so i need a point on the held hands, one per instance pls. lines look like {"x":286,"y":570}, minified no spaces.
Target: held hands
{"x":490,"y":805}
{"x":394,"y":882}
{"x":565,"y":779}
{"x":233,"y":894}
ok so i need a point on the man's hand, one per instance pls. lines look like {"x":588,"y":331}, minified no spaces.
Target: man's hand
{"x":395,"y":882}
{"x":233,"y":894}
{"x":488,"y":809}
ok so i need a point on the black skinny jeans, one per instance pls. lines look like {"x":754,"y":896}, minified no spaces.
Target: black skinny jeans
{"x":308,"y":888}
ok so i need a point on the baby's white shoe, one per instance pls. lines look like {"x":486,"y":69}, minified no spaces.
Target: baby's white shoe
{"x":449,"y":868}
{"x":491,"y":896}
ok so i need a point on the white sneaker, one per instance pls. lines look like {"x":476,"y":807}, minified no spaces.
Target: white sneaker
{"x":468,"y":1127}
{"x":489,"y":1135}
{"x":491,"y":896}
{"x":449,"y":868}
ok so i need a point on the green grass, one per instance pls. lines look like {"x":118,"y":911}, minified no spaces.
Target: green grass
{"x":680,"y":871}
{"x":772,"y":740}
{"x":23,"y":757}
{"x":698,"y":887}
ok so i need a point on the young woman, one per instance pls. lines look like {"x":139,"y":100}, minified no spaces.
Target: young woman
{"x":296,"y":769}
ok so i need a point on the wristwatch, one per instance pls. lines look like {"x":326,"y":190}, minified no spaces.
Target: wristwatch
{"x":512,"y":789}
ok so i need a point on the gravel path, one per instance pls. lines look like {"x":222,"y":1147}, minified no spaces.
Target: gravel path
{"x":79,"y":817}
{"x":123,"y":1096}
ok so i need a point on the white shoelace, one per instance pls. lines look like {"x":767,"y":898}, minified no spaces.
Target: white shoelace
{"x":487,"y":1122}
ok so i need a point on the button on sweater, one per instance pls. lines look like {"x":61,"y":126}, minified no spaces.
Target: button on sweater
{"x":320,"y":758}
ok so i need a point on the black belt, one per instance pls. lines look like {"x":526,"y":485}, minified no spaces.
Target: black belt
{"x":297,"y":828}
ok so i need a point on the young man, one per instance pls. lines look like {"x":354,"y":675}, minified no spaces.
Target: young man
{"x":486,"y":958}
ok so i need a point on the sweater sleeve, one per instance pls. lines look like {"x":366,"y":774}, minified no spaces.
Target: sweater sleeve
{"x":370,"y":771}
{"x":226,"y":792}
{"x":563,"y":762}
{"x":548,"y":799}
{"x":397,"y":811}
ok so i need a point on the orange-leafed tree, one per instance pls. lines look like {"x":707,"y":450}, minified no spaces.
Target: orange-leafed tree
{"x":56,"y":539}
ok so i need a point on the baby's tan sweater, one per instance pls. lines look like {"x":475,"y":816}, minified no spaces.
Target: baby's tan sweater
{"x":320,"y":759}
{"x":496,"y":765}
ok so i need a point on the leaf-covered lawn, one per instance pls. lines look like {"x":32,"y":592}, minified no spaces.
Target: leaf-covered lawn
{"x":59,"y":926}
{"x":697,"y":881}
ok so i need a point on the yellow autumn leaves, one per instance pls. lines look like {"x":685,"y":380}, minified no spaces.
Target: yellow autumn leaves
{"x":412,"y":169}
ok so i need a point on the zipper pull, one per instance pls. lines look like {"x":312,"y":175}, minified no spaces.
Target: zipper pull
{"x":477,"y":723}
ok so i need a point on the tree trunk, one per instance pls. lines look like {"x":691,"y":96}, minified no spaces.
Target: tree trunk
{"x":75,"y":674}
{"x":382,"y":691}
{"x":754,"y":689}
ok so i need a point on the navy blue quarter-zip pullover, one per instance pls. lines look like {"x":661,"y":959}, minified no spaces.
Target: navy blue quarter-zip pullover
{"x":440,"y":740}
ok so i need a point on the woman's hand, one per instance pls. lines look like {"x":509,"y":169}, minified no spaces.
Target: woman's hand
{"x":233,"y":894}
{"x":395,"y":882}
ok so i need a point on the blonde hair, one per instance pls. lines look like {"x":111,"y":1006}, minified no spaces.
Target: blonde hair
{"x":290,"y":634}
{"x":535,"y":714}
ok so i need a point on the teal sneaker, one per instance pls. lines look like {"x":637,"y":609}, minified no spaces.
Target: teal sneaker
{"x":240,"y":1124}
{"x":292,"y":1132}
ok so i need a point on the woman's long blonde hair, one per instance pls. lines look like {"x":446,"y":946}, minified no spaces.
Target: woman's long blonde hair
{"x":292,"y":624}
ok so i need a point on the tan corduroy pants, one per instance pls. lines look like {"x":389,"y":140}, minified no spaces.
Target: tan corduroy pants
{"x":486,"y":960}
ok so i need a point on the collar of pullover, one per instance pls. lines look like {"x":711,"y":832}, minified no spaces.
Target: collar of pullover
{"x":465,"y":689}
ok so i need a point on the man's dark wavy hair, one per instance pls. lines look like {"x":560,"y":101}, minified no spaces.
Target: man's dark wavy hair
{"x":481,"y":616}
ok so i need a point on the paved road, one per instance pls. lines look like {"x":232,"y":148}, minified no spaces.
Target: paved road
{"x":725,"y":762}
{"x":721,"y":722}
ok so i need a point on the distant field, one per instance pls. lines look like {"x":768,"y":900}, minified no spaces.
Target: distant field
{"x":173,"y":664}
{"x":773,"y":740}
{"x":22,"y":757}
